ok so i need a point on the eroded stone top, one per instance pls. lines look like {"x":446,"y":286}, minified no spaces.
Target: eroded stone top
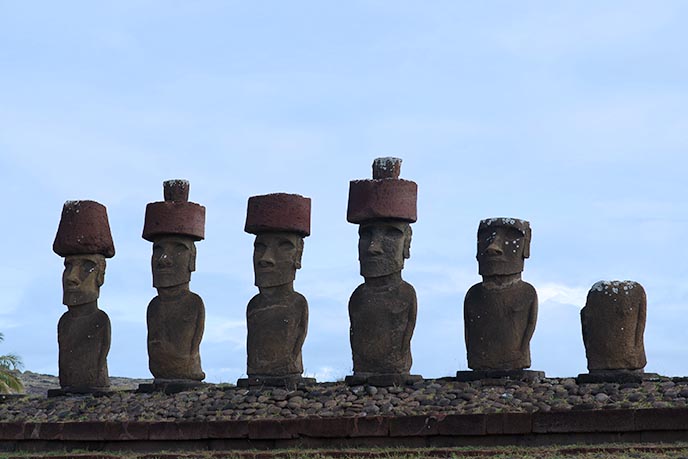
{"x":615,"y":287}
{"x":387,"y":167}
{"x":521,"y":225}
{"x":176,"y":190}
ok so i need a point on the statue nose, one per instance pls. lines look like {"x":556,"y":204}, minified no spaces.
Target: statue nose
{"x":72,"y":278}
{"x":164,"y":260}
{"x":494,"y":249}
{"x":267,"y":259}
{"x":375,"y":247}
{"x":266,"y":262}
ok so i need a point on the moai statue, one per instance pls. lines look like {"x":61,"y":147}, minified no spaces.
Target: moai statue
{"x":83,"y":332}
{"x":613,"y":322}
{"x":500,"y":312}
{"x":383,"y":309}
{"x":277,"y":317}
{"x":176,"y":317}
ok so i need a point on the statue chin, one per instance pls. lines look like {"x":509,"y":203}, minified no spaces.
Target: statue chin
{"x":78,"y":298}
{"x":494,"y":268}
{"x":165,"y":280}
{"x":380,"y":268}
{"x":273,"y":279}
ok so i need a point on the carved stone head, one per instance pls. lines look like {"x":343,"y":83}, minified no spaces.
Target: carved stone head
{"x":384,"y":207}
{"x":280,"y":221}
{"x":84,"y":240}
{"x":82,"y":278}
{"x":276,"y":257}
{"x":503,"y":245}
{"x":383,"y":245}
{"x":173,"y":260}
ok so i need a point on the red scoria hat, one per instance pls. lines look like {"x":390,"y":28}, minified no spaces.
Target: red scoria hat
{"x":175,"y":215}
{"x":385,"y":196}
{"x":278,"y":212}
{"x":84,"y":229}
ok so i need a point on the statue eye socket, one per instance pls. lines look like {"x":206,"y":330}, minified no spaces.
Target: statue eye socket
{"x":393,"y":232}
{"x":286,"y":245}
{"x":88,"y":267}
{"x":259,"y":246}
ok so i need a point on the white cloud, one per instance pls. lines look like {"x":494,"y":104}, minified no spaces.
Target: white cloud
{"x":562,"y":294}
{"x":326,"y":373}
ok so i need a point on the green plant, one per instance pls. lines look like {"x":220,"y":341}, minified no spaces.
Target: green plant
{"x":9,"y":382}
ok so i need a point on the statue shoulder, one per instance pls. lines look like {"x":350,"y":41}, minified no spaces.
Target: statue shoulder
{"x":475,"y":290}
{"x":360,"y":290}
{"x":407,"y":288}
{"x":300,"y":300}
{"x":195,"y":300}
{"x":528,"y":288}
{"x":101,"y":318}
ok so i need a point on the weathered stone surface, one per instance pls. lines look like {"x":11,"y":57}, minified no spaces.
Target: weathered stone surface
{"x":279,"y":212}
{"x":175,"y":330}
{"x":500,"y":312}
{"x":382,"y":323}
{"x":386,"y":196}
{"x":84,"y":229}
{"x":613,"y":323}
{"x":174,"y":215}
{"x":277,"y":317}
{"x":176,"y":316}
{"x":83,"y":335}
{"x":83,"y":332}
{"x":383,"y":309}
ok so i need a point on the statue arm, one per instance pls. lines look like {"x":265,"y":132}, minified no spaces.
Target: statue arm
{"x":411,"y":324}
{"x":530,"y":325}
{"x":466,"y":336}
{"x":584,"y":328}
{"x":302,"y":328}
{"x":640,"y":327}
{"x":200,"y":327}
{"x":105,"y":343}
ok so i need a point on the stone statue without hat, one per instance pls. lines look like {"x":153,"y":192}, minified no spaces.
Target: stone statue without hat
{"x":613,"y":325}
{"x":500,"y":312}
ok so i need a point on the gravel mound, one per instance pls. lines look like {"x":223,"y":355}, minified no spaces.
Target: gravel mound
{"x":223,"y":402}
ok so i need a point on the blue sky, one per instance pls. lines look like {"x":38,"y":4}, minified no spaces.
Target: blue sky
{"x":572,"y":115}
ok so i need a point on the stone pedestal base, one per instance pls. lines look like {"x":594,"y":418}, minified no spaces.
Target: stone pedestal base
{"x":288,"y":382}
{"x":615,"y":376}
{"x":382,"y":379}
{"x":520,"y":375}
{"x":169,"y":386}
{"x":95,"y":391}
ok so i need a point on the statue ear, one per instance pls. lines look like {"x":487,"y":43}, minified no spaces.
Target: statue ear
{"x":407,"y":241}
{"x":299,"y":254}
{"x":192,"y":262}
{"x":526,"y":243}
{"x":100,"y":280}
